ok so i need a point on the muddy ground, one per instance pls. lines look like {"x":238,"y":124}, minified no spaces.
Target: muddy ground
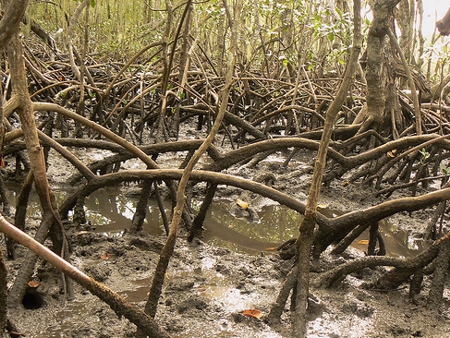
{"x":208,"y":287}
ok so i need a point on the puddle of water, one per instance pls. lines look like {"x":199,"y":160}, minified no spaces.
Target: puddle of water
{"x":276,"y":224}
{"x":279,"y":223}
{"x":398,"y":243}
{"x":111,"y":212}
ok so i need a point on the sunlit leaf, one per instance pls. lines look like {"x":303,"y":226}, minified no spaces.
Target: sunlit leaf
{"x":321,"y":206}
{"x":252,"y":313}
{"x":392,"y":153}
{"x":364,"y":242}
{"x":340,"y":120}
{"x":242,"y":204}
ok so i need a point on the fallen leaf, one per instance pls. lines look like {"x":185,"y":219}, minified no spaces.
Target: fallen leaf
{"x":33,"y":284}
{"x":105,"y":256}
{"x":252,"y":313}
{"x":321,"y":206}
{"x":363,"y":242}
{"x":242,"y":204}
{"x":274,"y":248}
{"x":392,"y":153}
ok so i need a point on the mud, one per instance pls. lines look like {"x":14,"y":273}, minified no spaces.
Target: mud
{"x":211,"y":282}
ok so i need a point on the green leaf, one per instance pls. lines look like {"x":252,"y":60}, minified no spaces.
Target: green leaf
{"x":340,"y":120}
{"x":331,"y":37}
{"x":93,"y":3}
{"x":444,"y":169}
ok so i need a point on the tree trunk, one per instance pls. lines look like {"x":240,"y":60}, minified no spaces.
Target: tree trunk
{"x":379,"y":75}
{"x":24,"y":107}
{"x":306,"y":237}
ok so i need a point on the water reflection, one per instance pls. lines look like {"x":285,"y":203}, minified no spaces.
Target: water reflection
{"x":111,"y":212}
{"x":276,"y":225}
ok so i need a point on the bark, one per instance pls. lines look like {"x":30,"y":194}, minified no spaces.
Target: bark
{"x":197,"y":225}
{"x":349,"y":238}
{"x":141,"y":208}
{"x":411,"y":84}
{"x":14,"y":11}
{"x":405,"y":19}
{"x":161,"y":208}
{"x":35,"y":153}
{"x":327,"y":279}
{"x":378,"y":80}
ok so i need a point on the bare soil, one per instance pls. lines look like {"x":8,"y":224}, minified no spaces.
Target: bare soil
{"x":208,"y":287}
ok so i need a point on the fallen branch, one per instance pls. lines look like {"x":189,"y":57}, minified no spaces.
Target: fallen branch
{"x":119,"y":305}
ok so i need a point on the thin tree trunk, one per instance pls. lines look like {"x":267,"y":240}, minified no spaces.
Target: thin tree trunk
{"x":24,"y":108}
{"x":306,"y":237}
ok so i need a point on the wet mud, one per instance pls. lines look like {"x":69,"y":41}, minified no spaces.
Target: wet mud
{"x":210,"y":282}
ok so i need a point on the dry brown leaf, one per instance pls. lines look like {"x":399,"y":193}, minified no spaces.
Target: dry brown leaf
{"x":33,"y":284}
{"x":253,"y":313}
{"x":363,"y":242}
{"x":105,"y":256}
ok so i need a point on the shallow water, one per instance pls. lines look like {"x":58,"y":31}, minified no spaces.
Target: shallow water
{"x":110,"y":212}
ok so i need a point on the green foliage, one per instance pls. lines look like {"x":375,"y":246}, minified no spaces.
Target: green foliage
{"x":445,"y":169}
{"x":276,"y":35}
{"x":424,"y":155}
